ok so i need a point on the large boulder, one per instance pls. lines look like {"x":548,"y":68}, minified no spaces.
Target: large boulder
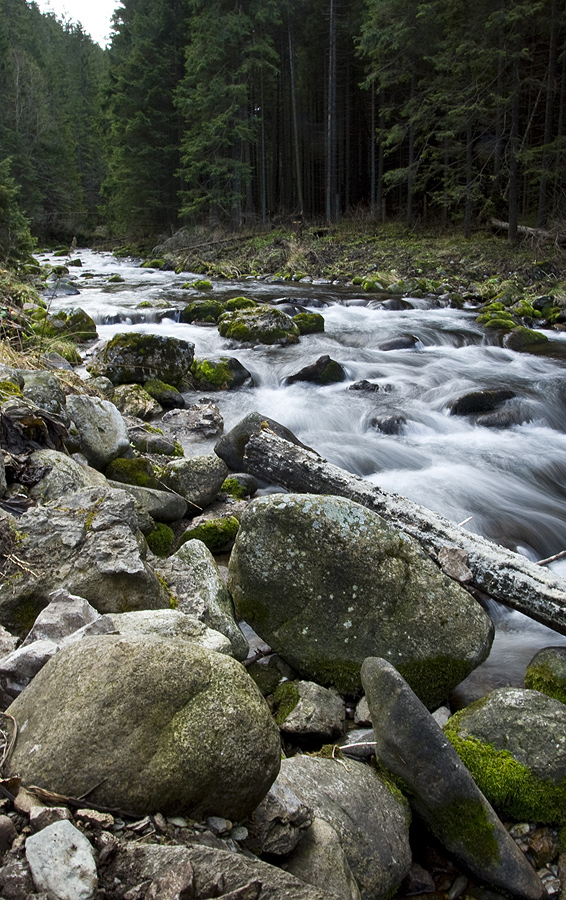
{"x":370,"y":817}
{"x":89,"y":542}
{"x":135,"y":357}
{"x":159,"y":724}
{"x":170,"y":623}
{"x":261,"y":325}
{"x":326,"y":582}
{"x":45,"y":391}
{"x":232,"y":446}
{"x":513,"y":741}
{"x":101,"y":431}
{"x":222,"y":374}
{"x":411,"y":745}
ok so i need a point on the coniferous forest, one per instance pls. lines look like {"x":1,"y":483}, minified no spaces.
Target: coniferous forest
{"x":239,"y":112}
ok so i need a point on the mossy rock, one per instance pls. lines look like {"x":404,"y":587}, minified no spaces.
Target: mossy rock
{"x":160,"y":541}
{"x":261,"y":325}
{"x":152,"y":264}
{"x":74,"y":324}
{"x":136,"y":471}
{"x":165,"y":394}
{"x":266,"y":677}
{"x":217,"y":534}
{"x":202,"y":311}
{"x":234,"y":487}
{"x":117,"y":279}
{"x":221,"y":374}
{"x":523,"y":340}
{"x":546,"y":673}
{"x":136,"y":357}
{"x":309,"y":323}
{"x":239,"y":303}
{"x":285,"y":700}
{"x":512,"y":742}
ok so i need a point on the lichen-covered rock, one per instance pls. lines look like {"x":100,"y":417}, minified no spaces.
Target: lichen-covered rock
{"x":134,"y":400}
{"x":410,"y":744}
{"x":200,"y":420}
{"x":513,"y":741}
{"x":64,"y":476}
{"x":326,"y":582}
{"x":135,"y":357}
{"x":223,"y":374}
{"x":546,"y":672}
{"x":149,"y":439}
{"x":44,"y":389}
{"x":197,"y":479}
{"x":138,"y":471}
{"x":163,"y":506}
{"x":260,"y":325}
{"x":159,"y":724}
{"x":74,"y":324}
{"x":101,"y":430}
{"x":315,"y":713}
{"x":88,"y":541}
{"x":370,"y":818}
{"x":196,"y":587}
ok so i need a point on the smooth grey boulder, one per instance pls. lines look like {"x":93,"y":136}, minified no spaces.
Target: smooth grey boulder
{"x":324,"y":371}
{"x":196,"y":585}
{"x":159,"y":724}
{"x":411,"y":745}
{"x":320,"y":859}
{"x":279,"y":822}
{"x":135,"y":357}
{"x":318,"y":712}
{"x":173,"y":624}
{"x":216,"y":872}
{"x":45,"y":391}
{"x":163,"y":506}
{"x":197,"y":479}
{"x":513,"y":741}
{"x":231,"y":446}
{"x":19,"y":667}
{"x":65,"y":476}
{"x":101,"y":430}
{"x":62,"y":862}
{"x":326,"y":582}
{"x":134,"y":400}
{"x":64,"y":614}
{"x":87,"y":541}
{"x":371,"y":819}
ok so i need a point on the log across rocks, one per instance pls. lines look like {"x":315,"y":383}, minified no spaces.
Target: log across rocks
{"x":506,"y":576}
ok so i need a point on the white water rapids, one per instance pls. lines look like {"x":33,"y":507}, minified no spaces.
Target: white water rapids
{"x":510,"y":480}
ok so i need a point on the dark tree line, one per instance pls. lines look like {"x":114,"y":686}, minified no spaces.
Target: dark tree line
{"x":239,"y":111}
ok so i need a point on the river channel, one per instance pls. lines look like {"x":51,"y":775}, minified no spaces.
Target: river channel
{"x":509,"y":482}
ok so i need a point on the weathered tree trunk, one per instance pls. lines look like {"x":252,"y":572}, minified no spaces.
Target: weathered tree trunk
{"x":500,"y":573}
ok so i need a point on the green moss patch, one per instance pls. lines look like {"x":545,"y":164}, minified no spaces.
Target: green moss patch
{"x":285,"y":700}
{"x":214,"y":374}
{"x":133,"y":471}
{"x":309,"y":323}
{"x":160,"y":541}
{"x":467,"y":821}
{"x":233,"y":487}
{"x":218,"y":534}
{"x":512,"y":789}
{"x":202,"y":311}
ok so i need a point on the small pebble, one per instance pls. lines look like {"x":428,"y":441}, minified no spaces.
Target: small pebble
{"x":218,"y":825}
{"x":178,"y":821}
{"x":459,"y":886}
{"x":239,"y":833}
{"x":520,"y":829}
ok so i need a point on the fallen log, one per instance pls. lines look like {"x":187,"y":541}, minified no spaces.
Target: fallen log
{"x":506,"y":576}
{"x":539,"y":234}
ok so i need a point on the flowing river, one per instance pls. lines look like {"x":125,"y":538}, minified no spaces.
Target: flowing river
{"x":508,"y":482}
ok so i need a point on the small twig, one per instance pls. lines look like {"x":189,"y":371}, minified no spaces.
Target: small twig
{"x":341,"y":761}
{"x":11,"y":557}
{"x":7,"y":749}
{"x":360,"y":744}
{"x":464,"y":522}
{"x":549,"y":559}
{"x":261,"y":654}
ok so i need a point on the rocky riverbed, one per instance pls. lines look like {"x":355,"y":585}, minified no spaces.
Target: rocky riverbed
{"x":209,"y":693}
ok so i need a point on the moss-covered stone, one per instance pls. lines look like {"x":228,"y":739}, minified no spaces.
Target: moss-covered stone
{"x":160,"y":541}
{"x":239,"y":303}
{"x":266,"y":677}
{"x":309,"y":323}
{"x":231,"y":486}
{"x":73,"y":324}
{"x":136,"y":357}
{"x":138,"y":471}
{"x":217,"y":534}
{"x":202,"y":311}
{"x":165,"y":394}
{"x":523,"y":340}
{"x":261,"y":325}
{"x":216,"y":374}
{"x":9,"y":389}
{"x":152,"y":263}
{"x":546,"y":673}
{"x":518,"y":788}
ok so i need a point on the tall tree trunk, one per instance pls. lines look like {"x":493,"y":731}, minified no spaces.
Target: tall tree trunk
{"x":331,"y":120}
{"x":514,"y":151}
{"x":542,"y":216}
{"x":298,"y":174}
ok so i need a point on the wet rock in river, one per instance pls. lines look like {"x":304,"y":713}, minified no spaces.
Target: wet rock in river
{"x":369,"y":387}
{"x":403,"y":342}
{"x":202,"y":419}
{"x":324,"y":371}
{"x":479,"y":401}
{"x":327,"y":582}
{"x":546,"y":672}
{"x":388,"y":424}
{"x":261,"y":325}
{"x":135,"y":357}
{"x":231,"y":447}
{"x":224,"y":373}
